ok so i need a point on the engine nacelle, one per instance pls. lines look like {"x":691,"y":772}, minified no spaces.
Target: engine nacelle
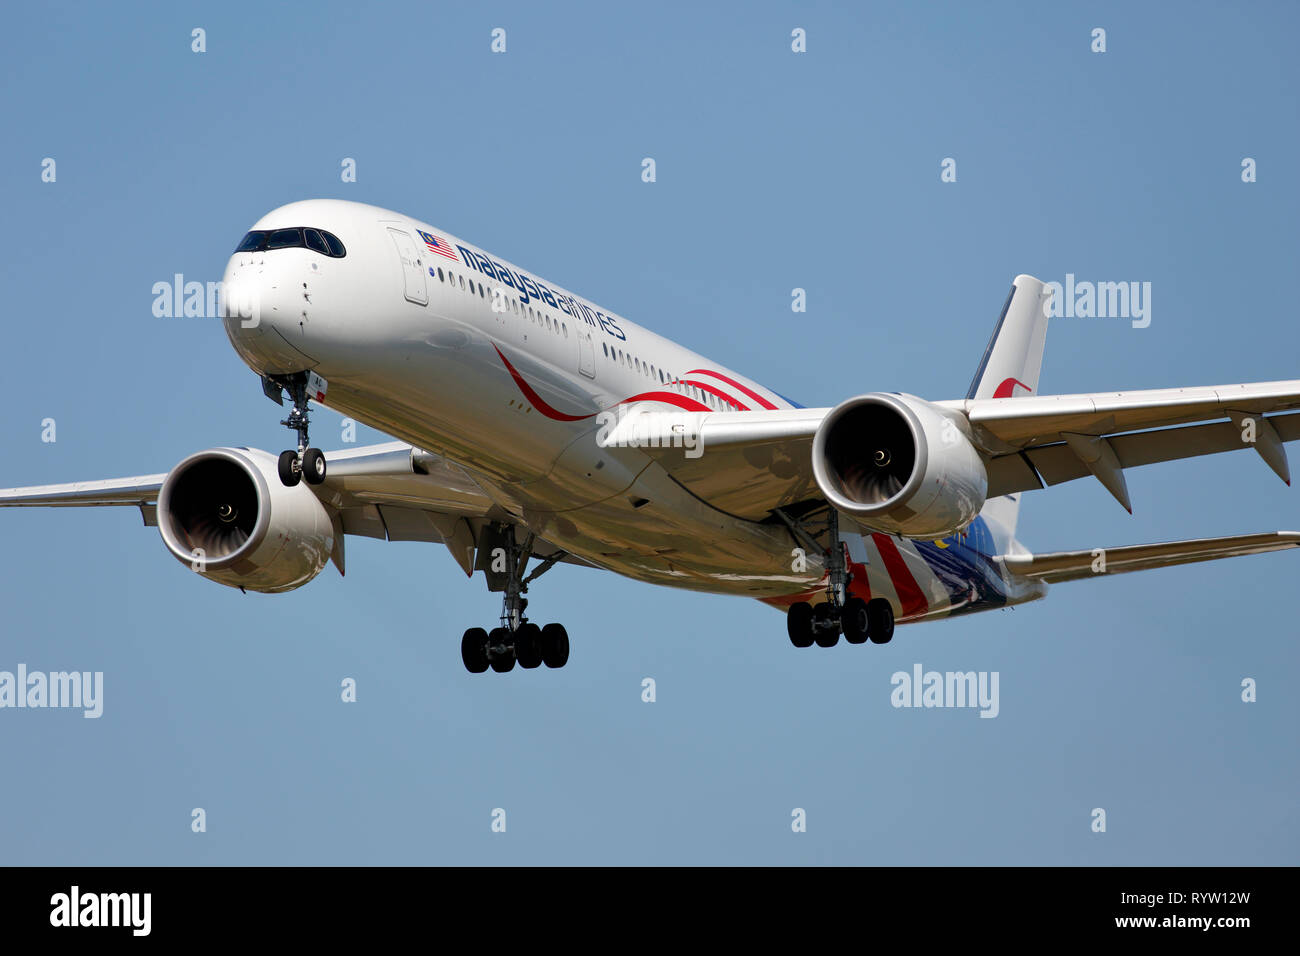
{"x":225,"y":514}
{"x":898,"y":464}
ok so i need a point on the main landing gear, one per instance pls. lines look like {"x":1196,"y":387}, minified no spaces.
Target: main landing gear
{"x":517,"y":639}
{"x":305,"y":463}
{"x":822,"y":624}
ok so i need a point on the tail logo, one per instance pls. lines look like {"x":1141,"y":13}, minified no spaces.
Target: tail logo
{"x":1008,"y":388}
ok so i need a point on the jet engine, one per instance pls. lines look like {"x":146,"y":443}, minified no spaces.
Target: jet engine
{"x":225,"y":514}
{"x":898,"y":464}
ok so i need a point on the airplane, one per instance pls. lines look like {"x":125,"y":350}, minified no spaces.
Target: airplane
{"x":531,"y":425}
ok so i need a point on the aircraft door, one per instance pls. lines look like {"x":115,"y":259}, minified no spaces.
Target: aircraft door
{"x":412,"y":267}
{"x":586,"y":353}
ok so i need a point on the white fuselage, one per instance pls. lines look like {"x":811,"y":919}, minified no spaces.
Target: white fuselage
{"x":434,"y":373}
{"x":504,"y":374}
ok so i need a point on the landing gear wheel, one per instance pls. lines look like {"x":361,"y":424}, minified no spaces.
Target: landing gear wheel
{"x":855,"y":621}
{"x":528,"y":645}
{"x":502,"y":651}
{"x":289,"y":473}
{"x":473,"y":650}
{"x":798,"y":624}
{"x":555,"y":645}
{"x":313,"y":466}
{"x":826,"y":630}
{"x":880,"y":621}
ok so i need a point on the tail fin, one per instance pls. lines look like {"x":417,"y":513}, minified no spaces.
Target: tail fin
{"x":1010,"y":367}
{"x":1014,"y":355}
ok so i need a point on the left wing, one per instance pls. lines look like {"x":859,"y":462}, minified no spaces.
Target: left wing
{"x":389,"y":491}
{"x":748,"y":463}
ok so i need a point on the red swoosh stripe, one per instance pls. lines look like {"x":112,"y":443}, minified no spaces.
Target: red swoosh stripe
{"x":536,"y":399}
{"x":716,"y":391}
{"x":910,"y":595}
{"x":763,"y":402}
{"x":668,"y":398}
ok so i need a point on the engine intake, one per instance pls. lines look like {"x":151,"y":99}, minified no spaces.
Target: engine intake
{"x":225,"y":514}
{"x":898,"y":464}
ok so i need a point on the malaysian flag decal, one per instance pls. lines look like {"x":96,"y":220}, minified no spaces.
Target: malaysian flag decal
{"x":440,"y":246}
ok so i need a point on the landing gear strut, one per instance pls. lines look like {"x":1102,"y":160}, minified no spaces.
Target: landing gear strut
{"x":517,"y":639}
{"x":853,"y":617}
{"x":305,"y":463}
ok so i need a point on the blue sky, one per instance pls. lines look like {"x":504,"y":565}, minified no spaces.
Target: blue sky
{"x":775,"y":170}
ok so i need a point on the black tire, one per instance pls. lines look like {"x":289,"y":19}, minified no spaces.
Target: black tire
{"x":313,"y":466}
{"x":854,"y":621}
{"x":798,"y":624}
{"x":826,"y":631}
{"x":880,"y":621}
{"x":473,"y":650}
{"x":528,"y":645}
{"x":506,"y":661}
{"x":289,"y":475}
{"x":555,"y":645}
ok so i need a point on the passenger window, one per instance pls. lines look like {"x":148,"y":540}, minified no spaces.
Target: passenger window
{"x":462,"y":283}
{"x":606,"y":348}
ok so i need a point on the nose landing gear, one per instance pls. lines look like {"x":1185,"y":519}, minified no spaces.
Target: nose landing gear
{"x":306,"y":463}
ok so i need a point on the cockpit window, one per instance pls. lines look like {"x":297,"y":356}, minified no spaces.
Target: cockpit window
{"x":318,"y":240}
{"x":284,"y":239}
{"x":314,"y":241}
{"x":251,"y":242}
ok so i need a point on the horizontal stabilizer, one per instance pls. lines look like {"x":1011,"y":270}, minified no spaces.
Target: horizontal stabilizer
{"x":1073,"y":565}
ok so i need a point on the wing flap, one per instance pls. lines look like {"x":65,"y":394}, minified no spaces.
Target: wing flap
{"x":1057,"y":463}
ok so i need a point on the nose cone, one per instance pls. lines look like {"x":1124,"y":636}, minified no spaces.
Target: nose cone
{"x":266,"y":302}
